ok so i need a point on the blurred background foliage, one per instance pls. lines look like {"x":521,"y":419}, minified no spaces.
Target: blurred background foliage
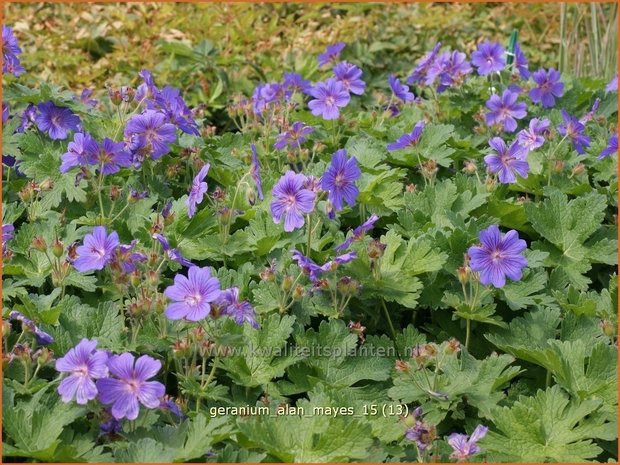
{"x":212,"y":51}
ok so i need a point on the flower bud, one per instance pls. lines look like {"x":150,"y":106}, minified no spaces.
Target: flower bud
{"x":219,"y":195}
{"x":268,"y":274}
{"x":411,"y":188}
{"x":58,"y":248}
{"x":411,"y":419}
{"x":115,"y":96}
{"x":357,"y":328}
{"x":287,"y":283}
{"x":152,"y":277}
{"x":429,"y":169}
{"x":452,"y":347}
{"x":47,"y":185}
{"x":376,"y":249}
{"x":470,"y":167}
{"x":225,"y":215}
{"x":43,"y":356}
{"x":578,"y":169}
{"x":463,"y":273}
{"x":490,"y":184}
{"x":181,"y":349}
{"x":6,"y":328}
{"x":348,"y":286}
{"x":72,"y":251}
{"x":402,"y":367}
{"x":38,"y":243}
{"x":251,"y":196}
{"x":135,"y":278}
{"x":298,"y":292}
{"x":26,"y":193}
{"x":608,"y":328}
{"x":115,"y":193}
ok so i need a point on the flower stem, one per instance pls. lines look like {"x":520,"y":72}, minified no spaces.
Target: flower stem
{"x":309,"y":240}
{"x":389,"y":320}
{"x":550,"y":159}
{"x":467,"y":332}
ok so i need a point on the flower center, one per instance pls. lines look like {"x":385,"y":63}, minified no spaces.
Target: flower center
{"x":290,"y":201}
{"x":496,"y":256}
{"x":331,"y":101}
{"x":82,"y":371}
{"x":133,"y":385}
{"x":98,"y":251}
{"x":339,"y":181}
{"x":193,"y":299}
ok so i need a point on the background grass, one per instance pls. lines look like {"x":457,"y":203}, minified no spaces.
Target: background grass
{"x":80,"y":45}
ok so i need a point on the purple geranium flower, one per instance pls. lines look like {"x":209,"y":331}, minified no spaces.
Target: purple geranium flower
{"x":170,"y":102}
{"x":339,"y":179}
{"x":498,"y":256}
{"x":520,"y":62}
{"x":5,"y":112}
{"x":131,"y":387}
{"x":613,"y":85}
{"x":505,"y":110}
{"x":307,"y":265}
{"x":423,"y":64}
{"x":41,"y":336}
{"x":612,"y":147}
{"x":172,"y":253}
{"x":147,"y":88}
{"x":127,"y":258}
{"x":240,"y":311}
{"x":408,"y":140}
{"x":113,"y":156}
{"x":575,"y":131}
{"x":329,"y":96}
{"x":452,"y":69}
{"x":421,"y":432}
{"x":488,"y":58}
{"x":10,"y":45}
{"x":465,"y":446}
{"x":7,"y":234}
{"x":294,"y":137}
{"x":291,"y":200}
{"x":266,"y":95}
{"x":549,"y":87}
{"x":255,"y":172}
{"x":168,"y":404}
{"x":350,"y":76}
{"x":56,"y":121}
{"x":197,"y":191}
{"x":339,"y":260}
{"x":332,"y":52}
{"x":534,"y":136}
{"x":10,"y":50}
{"x":295,"y":82}
{"x":83,"y":151}
{"x":400,"y":90}
{"x":85,"y":98}
{"x":12,"y":65}
{"x":150,"y":133}
{"x":84,"y":364}
{"x":27,"y":118}
{"x":359,"y":232}
{"x":97,"y":251}
{"x":507,"y":161}
{"x":192,"y":295}
{"x":590,"y":115}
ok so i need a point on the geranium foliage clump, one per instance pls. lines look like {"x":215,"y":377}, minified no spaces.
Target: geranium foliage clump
{"x":394,"y":267}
